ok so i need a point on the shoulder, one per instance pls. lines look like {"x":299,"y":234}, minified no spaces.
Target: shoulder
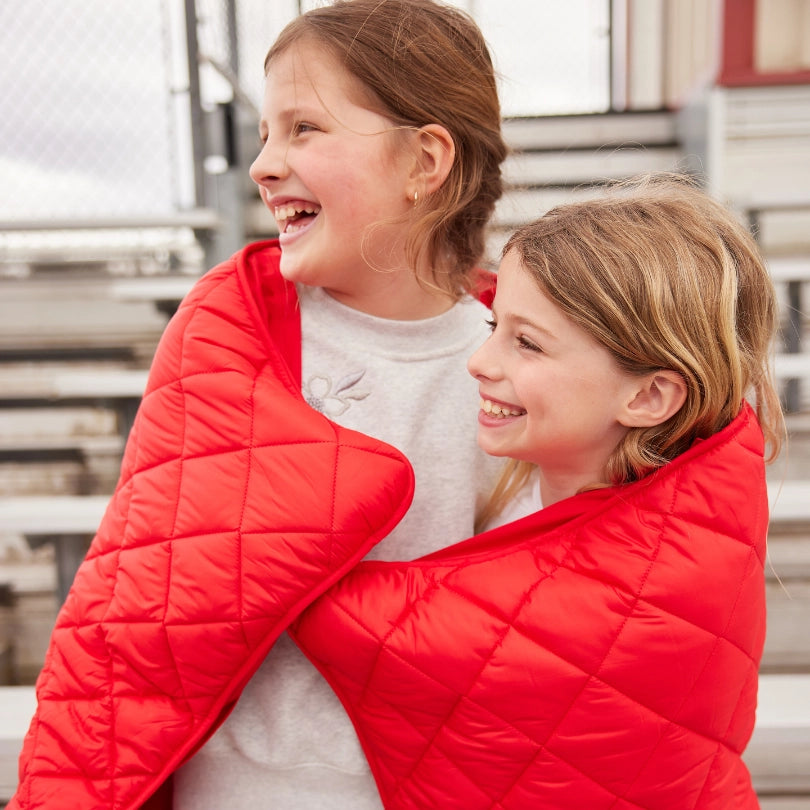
{"x":256,"y":263}
{"x":242,"y":302}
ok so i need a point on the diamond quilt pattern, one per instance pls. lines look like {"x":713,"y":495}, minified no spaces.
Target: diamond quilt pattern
{"x":237,"y":505}
{"x":602,"y":653}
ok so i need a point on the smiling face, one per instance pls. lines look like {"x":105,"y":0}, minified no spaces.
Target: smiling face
{"x":551,"y":394}
{"x":330,"y":170}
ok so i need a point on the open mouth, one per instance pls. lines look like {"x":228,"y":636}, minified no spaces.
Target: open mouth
{"x":500,"y":411}
{"x":295,"y":216}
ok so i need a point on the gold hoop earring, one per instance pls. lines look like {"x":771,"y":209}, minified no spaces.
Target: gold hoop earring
{"x":415,"y":197}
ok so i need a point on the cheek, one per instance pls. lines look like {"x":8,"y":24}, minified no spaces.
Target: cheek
{"x":350,"y":193}
{"x":582,"y":399}
{"x":549,"y":394}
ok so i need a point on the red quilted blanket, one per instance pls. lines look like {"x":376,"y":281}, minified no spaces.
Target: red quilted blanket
{"x":236,"y":506}
{"x":600,"y":654}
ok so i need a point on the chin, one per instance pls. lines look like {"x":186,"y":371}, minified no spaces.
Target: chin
{"x":292,"y":270}
{"x":491,"y":450}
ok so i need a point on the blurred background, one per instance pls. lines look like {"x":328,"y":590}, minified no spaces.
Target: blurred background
{"x":126,"y":132}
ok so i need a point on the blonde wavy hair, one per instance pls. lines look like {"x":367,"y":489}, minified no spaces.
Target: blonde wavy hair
{"x":664,"y":277}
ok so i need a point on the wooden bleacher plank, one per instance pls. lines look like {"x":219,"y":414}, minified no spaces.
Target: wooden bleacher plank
{"x":788,"y":553}
{"x":86,"y":445}
{"x":795,"y":365}
{"x":519,"y":206}
{"x":110,"y":246}
{"x":782,"y":232}
{"x":17,"y":706}
{"x":60,"y":449}
{"x":561,"y":168}
{"x":779,"y":751}
{"x":789,"y":501}
{"x":54,"y":382}
{"x":54,"y":476}
{"x":154,"y":289}
{"x":52,"y":514}
{"x":565,"y":132}
{"x":787,"y":643}
{"x":79,"y":420}
{"x":89,"y":429}
{"x":79,"y":382}
{"x":770,"y":802}
{"x":74,"y":311}
{"x":141,"y":226}
{"x":789,"y":268}
{"x":68,"y":521}
{"x":122,"y":384}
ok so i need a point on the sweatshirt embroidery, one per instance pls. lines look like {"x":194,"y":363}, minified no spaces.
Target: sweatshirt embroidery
{"x":333,"y":398}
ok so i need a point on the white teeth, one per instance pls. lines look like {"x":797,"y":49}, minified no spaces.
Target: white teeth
{"x":285,"y":212}
{"x":498,"y":410}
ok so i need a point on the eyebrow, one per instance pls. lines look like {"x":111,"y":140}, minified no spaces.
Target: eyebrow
{"x":520,"y":320}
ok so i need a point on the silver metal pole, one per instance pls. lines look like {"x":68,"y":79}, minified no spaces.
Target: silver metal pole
{"x":195,"y":104}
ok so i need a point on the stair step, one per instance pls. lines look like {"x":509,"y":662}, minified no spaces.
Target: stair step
{"x":565,"y":132}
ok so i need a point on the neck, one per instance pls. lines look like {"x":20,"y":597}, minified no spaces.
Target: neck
{"x":558,"y":487}
{"x":396,"y":296}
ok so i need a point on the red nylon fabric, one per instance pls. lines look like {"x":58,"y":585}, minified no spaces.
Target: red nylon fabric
{"x":237,"y":505}
{"x":602,"y":653}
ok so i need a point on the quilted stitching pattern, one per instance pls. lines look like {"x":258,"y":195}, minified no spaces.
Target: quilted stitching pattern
{"x":236,"y":505}
{"x":608,"y":660}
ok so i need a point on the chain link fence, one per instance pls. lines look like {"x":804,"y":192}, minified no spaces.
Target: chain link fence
{"x":94,"y":101}
{"x":86,"y":121}
{"x":98,"y":114}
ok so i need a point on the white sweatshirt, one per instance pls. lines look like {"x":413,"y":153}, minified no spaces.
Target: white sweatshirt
{"x":288,"y":744}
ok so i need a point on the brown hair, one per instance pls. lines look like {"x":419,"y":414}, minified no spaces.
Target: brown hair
{"x":664,"y":277}
{"x":425,"y":63}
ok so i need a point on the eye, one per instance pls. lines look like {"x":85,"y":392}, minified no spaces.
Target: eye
{"x":300,"y":127}
{"x":491,"y":324}
{"x":527,"y":344}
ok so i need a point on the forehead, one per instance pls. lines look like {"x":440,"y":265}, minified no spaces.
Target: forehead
{"x":311,"y":70}
{"x":519,"y":296}
{"x":515,"y":280}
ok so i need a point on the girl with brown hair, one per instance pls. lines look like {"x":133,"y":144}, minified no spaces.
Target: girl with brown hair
{"x":292,"y":419}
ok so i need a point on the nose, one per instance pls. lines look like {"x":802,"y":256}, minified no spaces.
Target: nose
{"x":271,"y":162}
{"x":482,"y":363}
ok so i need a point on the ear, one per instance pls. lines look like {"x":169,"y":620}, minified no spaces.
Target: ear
{"x":657,"y":397}
{"x":435,"y":153}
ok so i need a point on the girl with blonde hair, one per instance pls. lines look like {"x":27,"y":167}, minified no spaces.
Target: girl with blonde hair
{"x":603,"y":650}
